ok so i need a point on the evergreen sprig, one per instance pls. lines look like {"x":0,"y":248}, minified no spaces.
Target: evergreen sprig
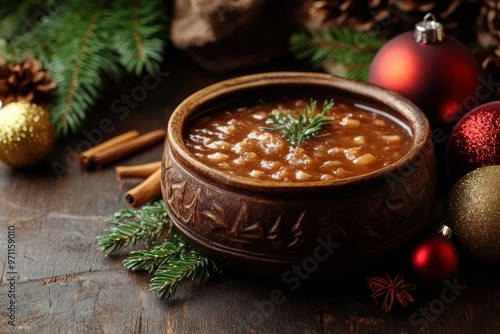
{"x":305,"y":127}
{"x":84,"y":44}
{"x":350,"y":51}
{"x":137,"y":36}
{"x":151,"y":259}
{"x":191,"y":265}
{"x":171,"y":261}
{"x":128,"y":227}
{"x":22,"y":16}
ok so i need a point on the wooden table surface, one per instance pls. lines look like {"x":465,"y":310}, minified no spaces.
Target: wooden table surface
{"x":64,"y":284}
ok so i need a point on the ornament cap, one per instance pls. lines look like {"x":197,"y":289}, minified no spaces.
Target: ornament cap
{"x":429,"y":30}
{"x":445,"y":231}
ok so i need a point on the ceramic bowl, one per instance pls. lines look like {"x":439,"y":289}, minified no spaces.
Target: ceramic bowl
{"x":320,"y":228}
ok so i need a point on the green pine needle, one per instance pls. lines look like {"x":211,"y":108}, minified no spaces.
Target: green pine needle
{"x":22,"y":16}
{"x":305,"y":127}
{"x":86,"y":52}
{"x":138,"y":36}
{"x":191,"y":265}
{"x":171,"y":261}
{"x":151,"y":260}
{"x":85,"y":44}
{"x":349,"y":50}
{"x":131,"y":226}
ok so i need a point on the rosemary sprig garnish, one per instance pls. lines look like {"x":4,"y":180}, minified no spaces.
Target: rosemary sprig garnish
{"x":305,"y":127}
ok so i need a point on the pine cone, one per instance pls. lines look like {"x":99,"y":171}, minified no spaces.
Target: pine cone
{"x":457,"y":16}
{"x":445,"y":12}
{"x":488,"y":32}
{"x":25,"y":81}
{"x":360,"y":15}
{"x":488,"y":35}
{"x":392,"y":16}
{"x":490,"y":63}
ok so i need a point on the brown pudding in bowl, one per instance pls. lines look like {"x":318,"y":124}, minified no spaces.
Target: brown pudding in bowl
{"x":355,"y":140}
{"x":246,"y":195}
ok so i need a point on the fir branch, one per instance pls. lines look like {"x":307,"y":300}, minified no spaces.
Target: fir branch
{"x":18,"y":17}
{"x":84,"y":44}
{"x":191,"y":265}
{"x":131,"y":226}
{"x":139,"y":31}
{"x":151,"y":260}
{"x":171,"y":261}
{"x":34,"y":43}
{"x":305,"y":127}
{"x":139,"y":41}
{"x":350,"y":50}
{"x":83,"y":52}
{"x":73,"y":48}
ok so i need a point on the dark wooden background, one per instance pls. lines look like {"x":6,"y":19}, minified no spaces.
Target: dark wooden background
{"x":66,"y":285}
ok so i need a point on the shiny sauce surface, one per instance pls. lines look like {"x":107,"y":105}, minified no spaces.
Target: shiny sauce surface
{"x":359,"y":140}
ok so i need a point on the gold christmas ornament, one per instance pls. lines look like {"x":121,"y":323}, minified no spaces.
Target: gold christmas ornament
{"x":473,"y":212}
{"x":26,"y":134}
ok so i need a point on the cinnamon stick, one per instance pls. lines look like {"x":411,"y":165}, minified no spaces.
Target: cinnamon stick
{"x":138,"y":171}
{"x":87,"y":156}
{"x":147,"y":191}
{"x":123,"y":149}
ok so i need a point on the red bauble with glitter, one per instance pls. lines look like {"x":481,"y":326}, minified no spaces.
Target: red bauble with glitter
{"x":436,"y":72}
{"x":434,"y":258}
{"x":474,"y":141}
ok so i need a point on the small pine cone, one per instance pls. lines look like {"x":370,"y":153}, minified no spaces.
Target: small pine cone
{"x":391,"y":16}
{"x":490,"y":63}
{"x":488,"y":32}
{"x":25,"y":81}
{"x":323,"y":13}
{"x":359,"y":15}
{"x":446,"y":12}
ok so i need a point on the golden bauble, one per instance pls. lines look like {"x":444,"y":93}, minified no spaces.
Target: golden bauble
{"x":26,"y":134}
{"x":473,"y":212}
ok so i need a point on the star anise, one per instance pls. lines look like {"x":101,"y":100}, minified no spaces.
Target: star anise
{"x":391,"y":290}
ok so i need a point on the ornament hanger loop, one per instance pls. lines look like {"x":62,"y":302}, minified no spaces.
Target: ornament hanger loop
{"x":430,"y":19}
{"x":429,"y":30}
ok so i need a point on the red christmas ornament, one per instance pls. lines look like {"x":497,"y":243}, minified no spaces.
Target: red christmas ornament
{"x":436,"y":72}
{"x":474,"y":141}
{"x":435,"y":258}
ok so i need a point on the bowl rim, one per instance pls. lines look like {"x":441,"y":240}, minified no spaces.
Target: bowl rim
{"x":415,"y":117}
